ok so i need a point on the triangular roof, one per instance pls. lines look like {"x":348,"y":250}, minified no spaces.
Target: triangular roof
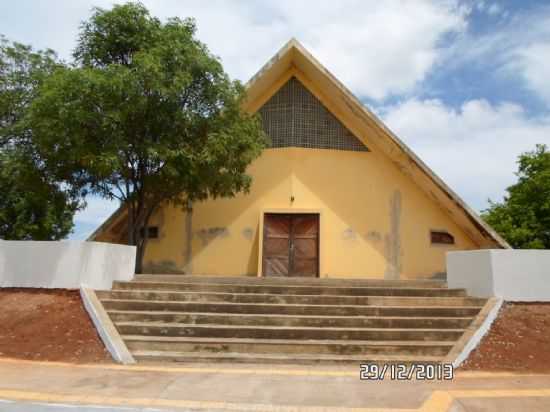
{"x":293,"y":60}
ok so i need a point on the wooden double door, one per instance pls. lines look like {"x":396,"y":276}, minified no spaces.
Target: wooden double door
{"x":290,"y":245}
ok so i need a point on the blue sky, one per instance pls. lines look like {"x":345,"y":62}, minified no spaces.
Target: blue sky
{"x":464,"y":83}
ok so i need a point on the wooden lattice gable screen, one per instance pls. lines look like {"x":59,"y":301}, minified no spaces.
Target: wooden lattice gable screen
{"x":294,"y":117}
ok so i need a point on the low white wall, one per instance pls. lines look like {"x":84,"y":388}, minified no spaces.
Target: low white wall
{"x":64,"y":264}
{"x":514,"y":275}
{"x":471,"y":270}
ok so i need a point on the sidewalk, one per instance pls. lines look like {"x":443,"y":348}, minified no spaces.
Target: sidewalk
{"x":36,"y":385}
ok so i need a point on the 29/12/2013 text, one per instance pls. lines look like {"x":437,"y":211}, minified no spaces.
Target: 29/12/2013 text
{"x":401,"y":371}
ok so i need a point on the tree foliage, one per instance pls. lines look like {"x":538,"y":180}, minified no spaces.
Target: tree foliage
{"x":32,"y":203}
{"x":22,"y":70}
{"x":32,"y":207}
{"x":147,"y":116}
{"x":523,"y":218}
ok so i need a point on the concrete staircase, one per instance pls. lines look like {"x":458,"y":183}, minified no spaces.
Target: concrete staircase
{"x":288,"y":320}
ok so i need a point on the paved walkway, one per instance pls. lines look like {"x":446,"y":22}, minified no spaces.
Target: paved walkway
{"x":43,"y":387}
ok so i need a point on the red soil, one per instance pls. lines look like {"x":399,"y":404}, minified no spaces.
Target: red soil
{"x":48,"y":325}
{"x":519,"y":340}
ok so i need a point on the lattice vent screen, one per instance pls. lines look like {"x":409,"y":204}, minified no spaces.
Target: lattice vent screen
{"x":293,"y":117}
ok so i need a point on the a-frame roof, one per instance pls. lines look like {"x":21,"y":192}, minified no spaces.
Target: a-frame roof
{"x":293,"y":60}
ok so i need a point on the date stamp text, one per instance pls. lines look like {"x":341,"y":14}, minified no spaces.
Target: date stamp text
{"x":397,"y":371}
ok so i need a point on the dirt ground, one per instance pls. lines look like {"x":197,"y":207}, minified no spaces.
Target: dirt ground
{"x":52,"y":325}
{"x":48,"y":324}
{"x":519,"y":340}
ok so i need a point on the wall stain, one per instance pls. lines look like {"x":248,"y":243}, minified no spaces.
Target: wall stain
{"x":392,"y":240}
{"x":439,"y":276}
{"x":373,"y":236}
{"x":208,"y":234}
{"x":349,"y":234}
{"x":189,"y":238}
{"x":163,"y":267}
{"x":248,"y":233}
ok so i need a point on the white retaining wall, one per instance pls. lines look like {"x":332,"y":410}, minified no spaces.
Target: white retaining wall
{"x":64,"y":264}
{"x":514,"y":275}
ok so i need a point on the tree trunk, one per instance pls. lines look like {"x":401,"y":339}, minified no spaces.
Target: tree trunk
{"x":131,"y":225}
{"x":140,"y":246}
{"x":141,"y":240}
{"x":140,"y":252}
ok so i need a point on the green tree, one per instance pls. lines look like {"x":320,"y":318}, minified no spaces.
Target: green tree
{"x":523,"y":218}
{"x":147,"y":116}
{"x":32,"y":207}
{"x":32,"y":204}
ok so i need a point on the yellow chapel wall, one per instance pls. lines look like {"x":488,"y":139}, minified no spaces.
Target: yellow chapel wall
{"x":375,"y":221}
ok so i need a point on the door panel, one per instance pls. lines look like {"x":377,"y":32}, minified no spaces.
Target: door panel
{"x":291,"y":245}
{"x":305,"y":245}
{"x":305,"y":225}
{"x":304,"y":267}
{"x":276,"y":266}
{"x":276,"y":253}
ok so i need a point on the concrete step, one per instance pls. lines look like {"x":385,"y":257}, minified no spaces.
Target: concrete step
{"x":274,"y":332}
{"x":289,"y":299}
{"x":288,"y":320}
{"x":197,"y":318}
{"x":199,"y":357}
{"x":252,"y":280}
{"x":290,"y":289}
{"x":288,"y":309}
{"x":285,"y":346}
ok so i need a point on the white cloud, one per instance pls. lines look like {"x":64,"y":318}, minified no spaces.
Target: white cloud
{"x":474,"y":149}
{"x":480,"y":5}
{"x":516,"y":49}
{"x":528,"y":52}
{"x":377,"y":48}
{"x":494,"y":9}
{"x":388,"y":49}
{"x":46,"y":24}
{"x":534,"y":62}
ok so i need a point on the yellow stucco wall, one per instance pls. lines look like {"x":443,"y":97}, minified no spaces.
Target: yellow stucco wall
{"x":375,"y":222}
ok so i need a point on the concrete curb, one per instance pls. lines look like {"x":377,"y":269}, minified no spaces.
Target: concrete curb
{"x":475,"y":332}
{"x":106,"y":329}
